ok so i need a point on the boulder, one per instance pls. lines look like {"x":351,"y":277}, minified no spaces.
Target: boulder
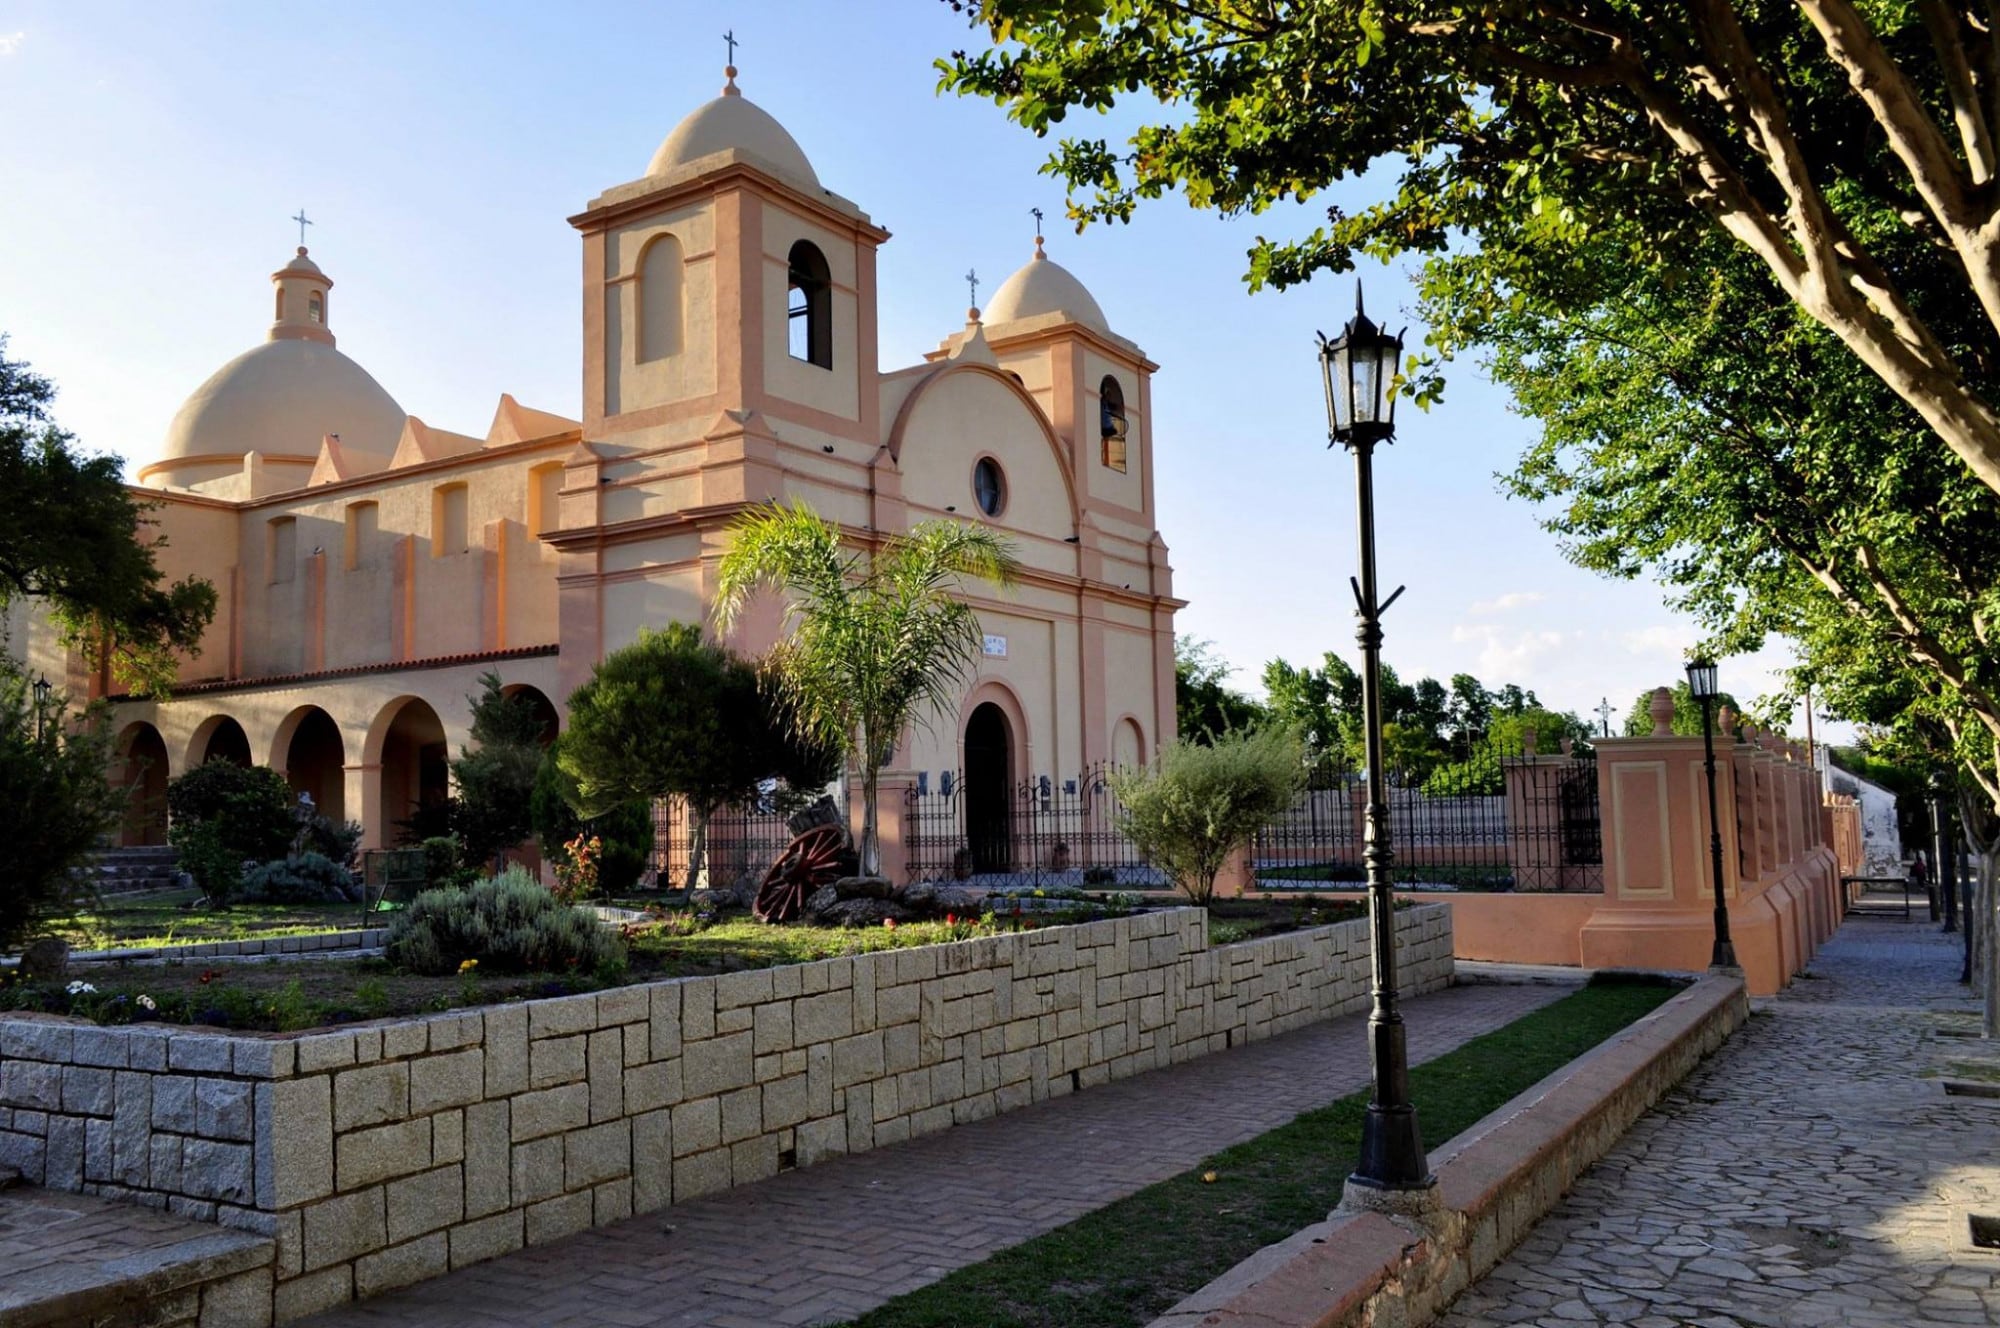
{"x":820,"y":901}
{"x":864,"y":913}
{"x":864,"y":887}
{"x":46,"y":959}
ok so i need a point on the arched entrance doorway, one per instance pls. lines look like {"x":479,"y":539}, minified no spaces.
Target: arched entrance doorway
{"x":416,"y":775}
{"x":989,"y":783}
{"x":142,"y":756}
{"x":315,"y":761}
{"x":226,"y":742}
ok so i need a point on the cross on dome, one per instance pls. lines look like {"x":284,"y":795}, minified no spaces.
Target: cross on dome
{"x":304,"y":222}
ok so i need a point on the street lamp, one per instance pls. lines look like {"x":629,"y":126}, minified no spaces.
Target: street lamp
{"x":41,"y":689}
{"x":1359,"y":370}
{"x":1702,"y":687}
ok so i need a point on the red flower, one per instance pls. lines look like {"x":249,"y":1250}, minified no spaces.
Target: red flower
{"x":208,"y":977}
{"x":951,"y":919}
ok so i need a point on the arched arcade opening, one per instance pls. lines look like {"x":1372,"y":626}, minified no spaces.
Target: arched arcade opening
{"x":142,"y":773}
{"x":989,"y":788}
{"x":416,"y":772}
{"x":314,"y":758}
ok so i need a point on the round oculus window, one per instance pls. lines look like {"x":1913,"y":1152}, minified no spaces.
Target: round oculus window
{"x":988,"y":486}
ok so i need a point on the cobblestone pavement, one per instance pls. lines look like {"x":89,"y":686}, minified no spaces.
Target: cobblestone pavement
{"x":830,"y":1241}
{"x":1812,"y":1173}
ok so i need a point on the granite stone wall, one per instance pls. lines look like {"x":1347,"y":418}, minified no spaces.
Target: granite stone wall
{"x":383,"y":1154}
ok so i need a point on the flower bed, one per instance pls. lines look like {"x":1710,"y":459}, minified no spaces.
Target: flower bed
{"x":391,"y":1152}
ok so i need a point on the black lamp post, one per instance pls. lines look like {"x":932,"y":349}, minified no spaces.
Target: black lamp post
{"x":41,"y":689}
{"x":1945,"y":862}
{"x":1702,"y":686}
{"x":1359,"y":368}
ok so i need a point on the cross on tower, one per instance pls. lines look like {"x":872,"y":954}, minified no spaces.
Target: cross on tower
{"x":1604,"y":715}
{"x":303,"y":223}
{"x":1038,"y":221}
{"x":730,"y":37}
{"x":972,"y":285}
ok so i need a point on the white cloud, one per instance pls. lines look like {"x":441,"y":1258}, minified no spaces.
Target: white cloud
{"x":11,"y":42}
{"x":1666,"y":640}
{"x":1506,"y":655}
{"x":1513,"y":599}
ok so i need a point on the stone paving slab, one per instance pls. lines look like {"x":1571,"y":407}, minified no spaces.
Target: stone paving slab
{"x":75,"y":1259}
{"x":1813,"y":1173}
{"x":831,"y":1241}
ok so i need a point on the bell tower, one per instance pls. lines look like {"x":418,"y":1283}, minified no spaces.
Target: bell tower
{"x":727,"y":279}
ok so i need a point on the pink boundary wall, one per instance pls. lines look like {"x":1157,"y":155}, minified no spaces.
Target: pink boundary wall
{"x":1784,"y":850}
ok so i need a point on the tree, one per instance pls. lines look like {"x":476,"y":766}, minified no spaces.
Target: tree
{"x":1321,"y":705}
{"x":221,"y":815}
{"x":1826,"y":140}
{"x":70,"y":542}
{"x":874,"y":639}
{"x":675,"y":715}
{"x":1198,"y":803}
{"x":1204,"y":703}
{"x":55,"y":803}
{"x":626,"y":831}
{"x":495,"y":776}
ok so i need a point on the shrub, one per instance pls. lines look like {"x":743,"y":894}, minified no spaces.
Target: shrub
{"x":1195,"y":805}
{"x":509,"y":923}
{"x":626,"y":831}
{"x":54,"y":803}
{"x":301,"y":878}
{"x":221,"y":815}
{"x":445,"y":867}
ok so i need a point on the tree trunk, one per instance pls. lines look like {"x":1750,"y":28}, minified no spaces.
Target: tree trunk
{"x":871,"y":847}
{"x":697,"y":876}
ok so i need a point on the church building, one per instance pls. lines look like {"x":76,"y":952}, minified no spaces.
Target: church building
{"x":370,"y":566}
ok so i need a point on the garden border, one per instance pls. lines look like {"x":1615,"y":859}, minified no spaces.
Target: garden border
{"x":1495,"y":1181}
{"x":382,"y":1154}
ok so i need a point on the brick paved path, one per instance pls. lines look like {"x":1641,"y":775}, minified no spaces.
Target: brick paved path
{"x":1807,"y":1175}
{"x":833,"y":1240}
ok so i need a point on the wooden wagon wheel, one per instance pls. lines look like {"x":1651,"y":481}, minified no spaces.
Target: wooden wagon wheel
{"x":810,"y":861}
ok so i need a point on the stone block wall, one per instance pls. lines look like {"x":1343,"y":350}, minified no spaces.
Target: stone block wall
{"x":384,"y":1154}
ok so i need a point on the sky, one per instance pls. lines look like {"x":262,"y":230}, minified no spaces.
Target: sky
{"x":156,"y":153}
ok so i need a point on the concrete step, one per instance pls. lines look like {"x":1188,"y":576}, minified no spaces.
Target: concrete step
{"x":76,"y":1261}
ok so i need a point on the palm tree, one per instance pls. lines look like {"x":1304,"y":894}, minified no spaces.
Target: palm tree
{"x":872,"y":641}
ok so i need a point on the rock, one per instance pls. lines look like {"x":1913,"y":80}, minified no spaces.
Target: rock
{"x":920,"y":896}
{"x":865,"y":913}
{"x":821,"y":900}
{"x":742,"y":892}
{"x":864,"y":887}
{"x":46,"y":959}
{"x":959,"y":900}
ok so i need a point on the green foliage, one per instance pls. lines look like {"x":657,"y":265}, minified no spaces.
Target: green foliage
{"x":300,"y":878}
{"x":674,"y":715}
{"x":1204,"y":704}
{"x":1687,"y":713}
{"x":1198,"y":803}
{"x":445,"y":864}
{"x":55,"y":803}
{"x":626,"y":831}
{"x":508,"y":923}
{"x":873,"y":640}
{"x":495,"y":776}
{"x":72,"y":542}
{"x":222,"y":815}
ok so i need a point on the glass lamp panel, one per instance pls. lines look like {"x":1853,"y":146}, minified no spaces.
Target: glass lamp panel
{"x":1385,"y":376}
{"x":1333,"y":371}
{"x":1702,"y":679}
{"x":1366,"y":387}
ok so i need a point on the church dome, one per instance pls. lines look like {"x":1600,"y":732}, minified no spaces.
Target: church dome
{"x":281,"y":398}
{"x":733,"y":123}
{"x":1043,"y":286}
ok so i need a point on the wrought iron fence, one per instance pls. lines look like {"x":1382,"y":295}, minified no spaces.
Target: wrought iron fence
{"x":740,"y":839}
{"x":1042,"y":832}
{"x":1489,"y":823}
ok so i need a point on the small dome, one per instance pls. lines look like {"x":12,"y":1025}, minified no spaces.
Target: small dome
{"x":1043,"y":286}
{"x":281,"y":399}
{"x":300,"y":263}
{"x":732,"y":122}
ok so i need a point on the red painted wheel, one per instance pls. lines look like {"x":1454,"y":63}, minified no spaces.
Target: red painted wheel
{"x":810,"y":861}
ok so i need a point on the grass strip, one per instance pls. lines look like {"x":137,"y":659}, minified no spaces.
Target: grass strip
{"x":1129,"y":1262}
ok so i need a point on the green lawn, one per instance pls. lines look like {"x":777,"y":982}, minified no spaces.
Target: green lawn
{"x":1126,"y":1264}
{"x":155,"y":920}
